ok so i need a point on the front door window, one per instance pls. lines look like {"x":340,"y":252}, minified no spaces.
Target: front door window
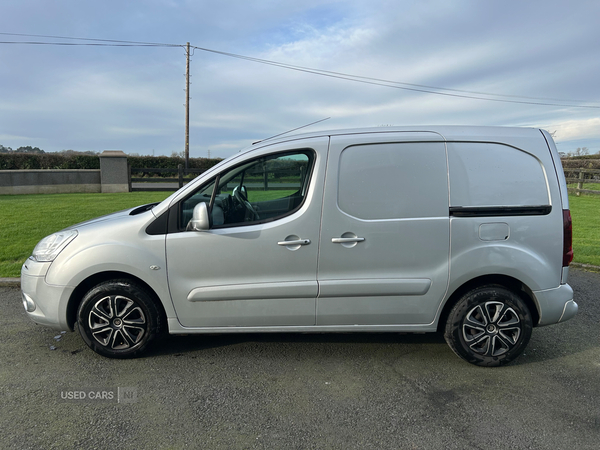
{"x":262,"y":190}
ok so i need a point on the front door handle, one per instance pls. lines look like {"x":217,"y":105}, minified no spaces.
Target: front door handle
{"x":346,"y":240}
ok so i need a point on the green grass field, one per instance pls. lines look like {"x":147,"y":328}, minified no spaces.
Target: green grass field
{"x":585,"y":211}
{"x":25,"y":219}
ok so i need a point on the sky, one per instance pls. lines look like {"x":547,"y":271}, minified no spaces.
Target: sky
{"x":95,"y":98}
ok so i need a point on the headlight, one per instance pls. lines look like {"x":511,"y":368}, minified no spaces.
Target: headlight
{"x":48,"y":248}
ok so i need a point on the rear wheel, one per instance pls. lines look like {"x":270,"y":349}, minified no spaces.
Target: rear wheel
{"x":489,"y":326}
{"x":118,"y":319}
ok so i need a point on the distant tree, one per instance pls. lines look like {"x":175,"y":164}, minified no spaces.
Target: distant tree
{"x":29,"y":149}
{"x":75,"y":153}
{"x":4,"y":149}
{"x":180,"y":154}
{"x":581,"y":151}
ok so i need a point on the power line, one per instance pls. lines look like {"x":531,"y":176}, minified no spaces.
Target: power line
{"x":400,"y":85}
{"x":385,"y":81}
{"x":456,"y":93}
{"x":71,"y":44}
{"x":85,"y":39}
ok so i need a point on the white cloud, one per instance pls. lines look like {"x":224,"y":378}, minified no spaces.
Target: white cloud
{"x":576,"y":129}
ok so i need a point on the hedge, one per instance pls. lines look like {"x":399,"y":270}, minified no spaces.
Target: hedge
{"x":24,"y":161}
{"x":581,"y":163}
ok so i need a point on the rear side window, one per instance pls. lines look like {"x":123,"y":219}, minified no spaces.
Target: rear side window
{"x":393,"y":181}
{"x":487,"y":174}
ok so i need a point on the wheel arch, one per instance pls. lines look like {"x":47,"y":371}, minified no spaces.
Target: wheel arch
{"x":93,"y":280}
{"x":516,"y":286}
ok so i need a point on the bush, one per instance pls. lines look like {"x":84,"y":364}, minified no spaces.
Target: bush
{"x":25,"y":161}
{"x":581,"y":162}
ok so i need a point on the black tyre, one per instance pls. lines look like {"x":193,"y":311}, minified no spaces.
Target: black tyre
{"x":489,"y":326}
{"x":118,"y":319}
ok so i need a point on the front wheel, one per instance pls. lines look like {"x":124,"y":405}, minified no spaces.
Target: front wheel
{"x":489,"y":326}
{"x":118,"y":319}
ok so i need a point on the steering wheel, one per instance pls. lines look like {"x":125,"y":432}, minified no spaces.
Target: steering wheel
{"x":239,"y":192}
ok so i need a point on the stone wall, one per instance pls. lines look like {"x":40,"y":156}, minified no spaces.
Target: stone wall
{"x":14,"y":182}
{"x":113,"y":176}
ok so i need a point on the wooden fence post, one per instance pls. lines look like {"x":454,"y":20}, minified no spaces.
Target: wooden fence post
{"x":580,"y":184}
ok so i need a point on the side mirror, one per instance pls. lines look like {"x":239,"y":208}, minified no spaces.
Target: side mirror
{"x":200,"y":220}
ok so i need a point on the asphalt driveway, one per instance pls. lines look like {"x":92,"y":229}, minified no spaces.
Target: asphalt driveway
{"x":319,"y":391}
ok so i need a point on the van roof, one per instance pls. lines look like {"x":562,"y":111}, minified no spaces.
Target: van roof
{"x":446,"y":132}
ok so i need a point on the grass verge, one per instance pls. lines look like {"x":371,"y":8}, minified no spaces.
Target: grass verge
{"x":585,"y":211}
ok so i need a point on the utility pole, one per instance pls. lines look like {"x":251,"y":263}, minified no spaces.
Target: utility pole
{"x":187,"y":107}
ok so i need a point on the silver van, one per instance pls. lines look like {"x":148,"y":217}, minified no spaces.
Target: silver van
{"x":461,"y":230}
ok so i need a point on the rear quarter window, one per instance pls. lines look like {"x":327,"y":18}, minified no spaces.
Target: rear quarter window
{"x":489,"y":174}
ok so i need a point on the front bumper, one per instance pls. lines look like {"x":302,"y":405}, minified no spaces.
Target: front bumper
{"x":555,"y":305}
{"x":44,"y":303}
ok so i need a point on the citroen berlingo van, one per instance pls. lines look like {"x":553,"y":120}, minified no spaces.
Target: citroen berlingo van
{"x":460,"y":230}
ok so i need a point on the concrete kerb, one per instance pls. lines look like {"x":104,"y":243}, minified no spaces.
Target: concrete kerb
{"x":16,"y":282}
{"x":10,"y":282}
{"x":587,"y":267}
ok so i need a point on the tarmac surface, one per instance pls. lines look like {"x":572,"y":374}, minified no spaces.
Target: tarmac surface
{"x":304,"y":391}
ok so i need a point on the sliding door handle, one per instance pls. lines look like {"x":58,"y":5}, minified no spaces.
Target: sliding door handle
{"x":346,"y":240}
{"x":295,"y":242}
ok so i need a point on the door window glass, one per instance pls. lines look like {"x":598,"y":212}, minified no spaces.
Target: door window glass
{"x":261,"y":190}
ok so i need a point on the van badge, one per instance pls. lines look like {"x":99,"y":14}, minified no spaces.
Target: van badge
{"x":154,"y":267}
